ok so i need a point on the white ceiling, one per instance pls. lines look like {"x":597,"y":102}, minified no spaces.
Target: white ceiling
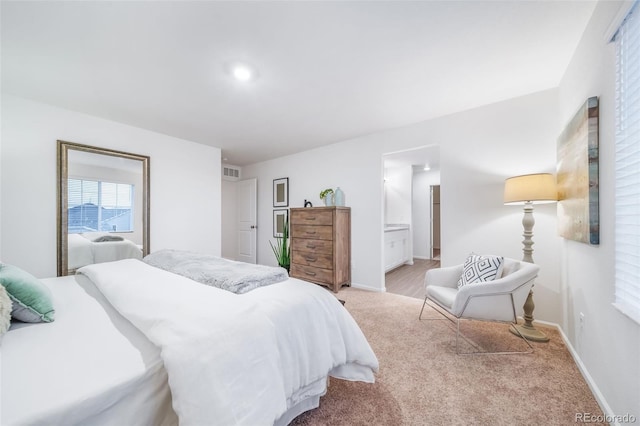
{"x":328,"y":71}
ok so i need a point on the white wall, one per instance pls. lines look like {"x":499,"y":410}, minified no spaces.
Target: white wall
{"x":1,"y":238}
{"x":421,"y":215}
{"x":397,"y":194}
{"x":229,"y":220}
{"x":609,"y":342}
{"x":345,"y":165}
{"x":478,"y":149}
{"x":184,"y":182}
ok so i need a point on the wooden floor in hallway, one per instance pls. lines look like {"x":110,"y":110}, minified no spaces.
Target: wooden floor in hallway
{"x":408,"y":280}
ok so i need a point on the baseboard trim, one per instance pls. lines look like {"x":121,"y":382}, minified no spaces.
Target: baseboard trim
{"x":368,"y":288}
{"x":602,"y":402}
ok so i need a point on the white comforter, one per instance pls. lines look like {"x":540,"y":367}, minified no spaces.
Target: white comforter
{"x":237,"y":359}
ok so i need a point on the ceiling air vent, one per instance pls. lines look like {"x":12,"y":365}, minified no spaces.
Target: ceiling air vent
{"x":230,"y":172}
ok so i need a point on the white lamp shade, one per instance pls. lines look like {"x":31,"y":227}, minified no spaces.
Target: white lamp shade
{"x":536,"y":188}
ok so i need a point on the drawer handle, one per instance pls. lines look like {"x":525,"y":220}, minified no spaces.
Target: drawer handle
{"x":310,"y":232}
{"x":311,"y":259}
{"x":311,"y":274}
{"x":311,"y":246}
{"x":310,"y":218}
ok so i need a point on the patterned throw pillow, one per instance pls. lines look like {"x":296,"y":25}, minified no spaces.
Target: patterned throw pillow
{"x":479,"y":269}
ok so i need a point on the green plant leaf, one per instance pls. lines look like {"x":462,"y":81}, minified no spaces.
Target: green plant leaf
{"x":325,"y":192}
{"x":281,"y":249}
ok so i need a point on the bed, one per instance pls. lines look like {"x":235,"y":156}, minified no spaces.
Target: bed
{"x":133,"y":344}
{"x":86,"y":249}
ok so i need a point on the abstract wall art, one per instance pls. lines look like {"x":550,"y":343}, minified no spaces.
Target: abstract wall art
{"x":577,"y":176}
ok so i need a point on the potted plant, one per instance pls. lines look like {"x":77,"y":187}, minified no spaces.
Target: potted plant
{"x":327,"y":196}
{"x":281,"y":249}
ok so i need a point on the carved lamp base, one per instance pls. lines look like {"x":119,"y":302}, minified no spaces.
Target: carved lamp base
{"x":530,"y":333}
{"x":527,"y":329}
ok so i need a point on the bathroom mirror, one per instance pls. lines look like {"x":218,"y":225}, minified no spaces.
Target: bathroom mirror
{"x":103,"y":206}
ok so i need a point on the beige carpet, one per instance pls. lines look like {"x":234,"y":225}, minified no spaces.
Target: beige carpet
{"x":422,"y":382}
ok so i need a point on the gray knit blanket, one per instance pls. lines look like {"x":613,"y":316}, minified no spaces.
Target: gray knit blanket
{"x":236,"y":277}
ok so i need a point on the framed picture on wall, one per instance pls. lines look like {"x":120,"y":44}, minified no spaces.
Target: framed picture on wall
{"x":279,"y":222}
{"x":577,"y":174}
{"x":281,"y":192}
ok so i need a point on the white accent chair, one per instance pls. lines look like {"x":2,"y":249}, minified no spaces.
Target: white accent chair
{"x":499,"y":300}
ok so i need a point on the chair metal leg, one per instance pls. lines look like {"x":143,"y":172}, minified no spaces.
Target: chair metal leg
{"x":437,"y":308}
{"x":460,"y":335}
{"x":422,"y":310}
{"x":515,"y":321}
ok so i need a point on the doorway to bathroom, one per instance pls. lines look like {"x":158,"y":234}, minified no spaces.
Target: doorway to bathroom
{"x":411,"y":218}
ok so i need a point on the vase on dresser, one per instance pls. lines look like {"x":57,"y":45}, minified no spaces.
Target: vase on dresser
{"x":338,"y":197}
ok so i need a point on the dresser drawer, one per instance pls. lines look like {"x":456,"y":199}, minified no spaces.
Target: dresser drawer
{"x":308,"y":258}
{"x":309,"y":273}
{"x":324,"y":232}
{"x":314,"y":246}
{"x":312,"y":217}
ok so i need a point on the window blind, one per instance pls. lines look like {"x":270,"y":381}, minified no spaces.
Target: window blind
{"x":627,"y":167}
{"x":99,"y":206}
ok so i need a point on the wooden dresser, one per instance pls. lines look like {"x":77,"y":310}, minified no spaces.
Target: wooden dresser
{"x":321,"y":245}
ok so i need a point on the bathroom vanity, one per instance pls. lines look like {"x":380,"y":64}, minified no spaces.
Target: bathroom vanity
{"x":396,"y":246}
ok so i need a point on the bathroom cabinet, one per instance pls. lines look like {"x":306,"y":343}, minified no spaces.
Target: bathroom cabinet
{"x":396,"y":246}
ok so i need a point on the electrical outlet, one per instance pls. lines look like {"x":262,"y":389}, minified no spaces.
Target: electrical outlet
{"x":581,"y":321}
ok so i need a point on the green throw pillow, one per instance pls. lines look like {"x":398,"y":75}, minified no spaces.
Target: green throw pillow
{"x":31,"y":299}
{"x":5,"y":311}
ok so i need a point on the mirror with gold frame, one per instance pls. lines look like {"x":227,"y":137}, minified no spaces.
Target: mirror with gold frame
{"x":103,"y":206}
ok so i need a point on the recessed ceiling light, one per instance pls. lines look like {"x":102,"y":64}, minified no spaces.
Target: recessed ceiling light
{"x":243,"y":72}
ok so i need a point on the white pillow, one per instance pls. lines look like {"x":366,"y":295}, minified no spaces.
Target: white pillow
{"x":92,"y":236}
{"x":479,"y":269}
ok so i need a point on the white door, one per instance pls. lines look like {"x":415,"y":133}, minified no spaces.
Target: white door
{"x":247,"y":226}
{"x":435,"y":221}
